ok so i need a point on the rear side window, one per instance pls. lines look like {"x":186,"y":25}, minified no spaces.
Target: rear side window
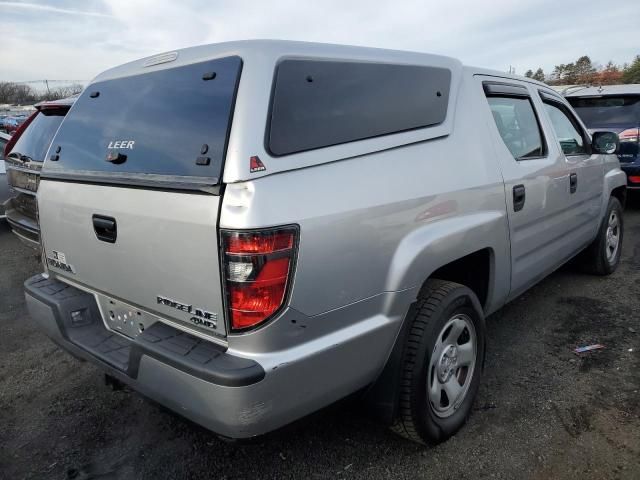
{"x":518,"y":126}
{"x":568,"y":133}
{"x":35,"y":140}
{"x":162,"y":125}
{"x":317,"y":104}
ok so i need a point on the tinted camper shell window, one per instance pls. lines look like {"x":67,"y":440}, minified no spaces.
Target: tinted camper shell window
{"x":318,"y":103}
{"x":168,"y":125}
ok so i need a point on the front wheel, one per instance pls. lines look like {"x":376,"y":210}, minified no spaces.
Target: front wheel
{"x":442,"y":363}
{"x":603,"y":255}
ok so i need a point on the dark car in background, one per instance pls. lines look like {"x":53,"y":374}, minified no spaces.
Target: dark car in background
{"x":24,"y":156}
{"x":614,"y":108}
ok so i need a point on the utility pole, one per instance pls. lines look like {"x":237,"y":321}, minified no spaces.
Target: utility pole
{"x":46,"y":82}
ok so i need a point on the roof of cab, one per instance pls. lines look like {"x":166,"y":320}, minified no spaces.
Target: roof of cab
{"x":270,"y":50}
{"x":629,"y":89}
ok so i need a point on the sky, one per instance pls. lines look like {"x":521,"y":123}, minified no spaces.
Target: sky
{"x":76,"y":40}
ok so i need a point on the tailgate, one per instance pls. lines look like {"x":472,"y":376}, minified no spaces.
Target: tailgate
{"x":164,"y":260}
{"x":129,"y":193}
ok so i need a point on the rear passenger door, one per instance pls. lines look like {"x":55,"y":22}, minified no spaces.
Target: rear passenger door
{"x":535,"y":178}
{"x":585,"y":170}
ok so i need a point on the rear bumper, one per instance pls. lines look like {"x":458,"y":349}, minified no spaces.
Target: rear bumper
{"x":234,"y":396}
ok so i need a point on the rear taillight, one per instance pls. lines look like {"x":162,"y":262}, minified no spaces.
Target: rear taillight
{"x":634,"y":179}
{"x":630,"y":135}
{"x":257,"y":266}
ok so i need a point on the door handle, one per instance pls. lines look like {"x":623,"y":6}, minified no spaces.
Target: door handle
{"x":573,"y":182}
{"x":518,"y":197}
{"x":106,"y":228}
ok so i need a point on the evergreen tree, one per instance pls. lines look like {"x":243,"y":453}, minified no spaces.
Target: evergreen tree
{"x":539,"y":75}
{"x":558,"y":73}
{"x":583,"y":71}
{"x":631,"y":74}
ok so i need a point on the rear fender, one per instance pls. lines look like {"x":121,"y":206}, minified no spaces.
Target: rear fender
{"x":614,"y":178}
{"x":434,"y":245}
{"x":421,"y":253}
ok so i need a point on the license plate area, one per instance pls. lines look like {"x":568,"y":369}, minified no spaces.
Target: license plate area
{"x":124,"y":318}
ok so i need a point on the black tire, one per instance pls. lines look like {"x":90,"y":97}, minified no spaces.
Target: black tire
{"x":438,"y":303}
{"x":595,"y":259}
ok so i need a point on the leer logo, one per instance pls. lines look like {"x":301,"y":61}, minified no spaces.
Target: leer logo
{"x":256,"y":165}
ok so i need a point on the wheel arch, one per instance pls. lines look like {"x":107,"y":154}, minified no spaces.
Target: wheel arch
{"x":615,"y":185}
{"x":475,"y":269}
{"x":472,"y":250}
{"x":621,"y":194}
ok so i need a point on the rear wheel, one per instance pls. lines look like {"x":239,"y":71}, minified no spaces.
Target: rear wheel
{"x":603,"y":255}
{"x":442,"y":363}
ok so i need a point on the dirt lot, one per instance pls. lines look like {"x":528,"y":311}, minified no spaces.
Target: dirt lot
{"x":542,"y":412}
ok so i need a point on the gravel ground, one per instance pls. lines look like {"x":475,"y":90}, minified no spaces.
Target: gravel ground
{"x":542,"y":412}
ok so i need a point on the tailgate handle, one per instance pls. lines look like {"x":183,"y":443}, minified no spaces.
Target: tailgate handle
{"x":105,"y":228}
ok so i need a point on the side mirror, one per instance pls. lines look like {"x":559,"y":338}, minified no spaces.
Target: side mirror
{"x":605,"y":142}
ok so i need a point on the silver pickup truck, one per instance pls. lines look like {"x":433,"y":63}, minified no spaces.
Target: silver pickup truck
{"x":247,"y":232}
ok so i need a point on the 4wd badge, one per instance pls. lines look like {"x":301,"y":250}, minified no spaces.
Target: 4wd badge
{"x":256,"y":165}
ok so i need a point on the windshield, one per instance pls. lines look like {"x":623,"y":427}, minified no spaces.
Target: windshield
{"x":620,"y":110}
{"x":162,"y":125}
{"x":35,"y":140}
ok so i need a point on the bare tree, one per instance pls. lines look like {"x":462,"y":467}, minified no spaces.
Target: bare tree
{"x":62,"y":92}
{"x":22,"y":94}
{"x":16,"y":93}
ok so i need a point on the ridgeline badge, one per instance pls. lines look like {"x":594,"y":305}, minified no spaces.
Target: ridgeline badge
{"x":199,"y":317}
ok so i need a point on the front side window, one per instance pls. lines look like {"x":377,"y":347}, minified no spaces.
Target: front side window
{"x":518,"y":126}
{"x":568,"y":133}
